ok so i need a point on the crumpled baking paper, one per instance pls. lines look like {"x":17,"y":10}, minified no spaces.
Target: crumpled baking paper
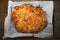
{"x":9,"y":28}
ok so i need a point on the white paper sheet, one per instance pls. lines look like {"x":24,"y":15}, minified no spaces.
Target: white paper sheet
{"x":47,"y":6}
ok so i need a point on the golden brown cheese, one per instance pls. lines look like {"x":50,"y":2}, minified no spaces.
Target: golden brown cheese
{"x":29,"y":19}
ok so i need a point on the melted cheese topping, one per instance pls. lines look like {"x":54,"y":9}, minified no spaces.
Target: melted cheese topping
{"x":29,"y":19}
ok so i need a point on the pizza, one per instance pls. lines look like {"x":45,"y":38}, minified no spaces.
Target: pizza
{"x":29,"y":19}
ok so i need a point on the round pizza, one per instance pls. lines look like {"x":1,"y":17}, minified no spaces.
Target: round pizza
{"x":29,"y":19}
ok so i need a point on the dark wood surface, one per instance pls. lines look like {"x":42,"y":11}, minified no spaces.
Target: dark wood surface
{"x":3,"y":14}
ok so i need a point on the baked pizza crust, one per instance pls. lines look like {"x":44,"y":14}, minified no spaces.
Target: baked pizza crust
{"x":29,"y":19}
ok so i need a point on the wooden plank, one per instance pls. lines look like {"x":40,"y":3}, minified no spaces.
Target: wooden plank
{"x":56,"y":6}
{"x":56,"y":22}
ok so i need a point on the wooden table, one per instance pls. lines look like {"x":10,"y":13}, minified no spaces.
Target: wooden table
{"x":3,"y":14}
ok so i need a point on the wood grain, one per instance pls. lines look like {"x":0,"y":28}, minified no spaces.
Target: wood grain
{"x":3,"y":14}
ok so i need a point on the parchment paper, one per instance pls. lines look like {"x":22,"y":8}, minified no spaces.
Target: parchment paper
{"x":9,"y":30}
